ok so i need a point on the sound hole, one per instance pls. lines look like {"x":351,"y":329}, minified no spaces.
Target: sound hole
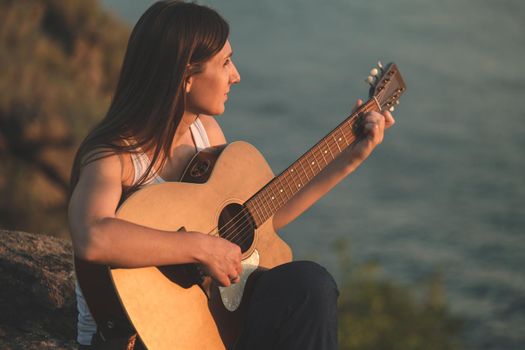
{"x":237,"y":226}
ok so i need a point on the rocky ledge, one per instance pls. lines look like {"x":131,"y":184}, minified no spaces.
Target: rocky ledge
{"x":37,"y":297}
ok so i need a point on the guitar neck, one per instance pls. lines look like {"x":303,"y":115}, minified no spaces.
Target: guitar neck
{"x":283,"y":187}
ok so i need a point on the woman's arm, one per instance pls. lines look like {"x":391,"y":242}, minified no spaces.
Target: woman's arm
{"x":98,"y":236}
{"x":374,"y":127}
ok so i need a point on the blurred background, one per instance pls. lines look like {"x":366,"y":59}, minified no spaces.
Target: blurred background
{"x":426,"y":239}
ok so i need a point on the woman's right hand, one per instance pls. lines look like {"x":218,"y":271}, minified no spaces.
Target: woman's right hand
{"x":221,"y":260}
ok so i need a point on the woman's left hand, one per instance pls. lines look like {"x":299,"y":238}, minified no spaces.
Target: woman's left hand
{"x":374,"y":125}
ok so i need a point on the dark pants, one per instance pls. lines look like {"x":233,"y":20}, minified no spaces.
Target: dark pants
{"x":293,"y":306}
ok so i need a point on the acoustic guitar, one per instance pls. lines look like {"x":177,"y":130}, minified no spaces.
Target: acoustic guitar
{"x":228,"y":191}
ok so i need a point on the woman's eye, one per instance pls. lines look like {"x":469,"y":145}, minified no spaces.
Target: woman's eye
{"x":227,"y":62}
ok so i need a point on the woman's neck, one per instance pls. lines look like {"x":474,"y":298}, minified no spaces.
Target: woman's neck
{"x":187,"y":119}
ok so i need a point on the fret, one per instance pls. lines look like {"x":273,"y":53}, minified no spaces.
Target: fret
{"x":342,"y":132}
{"x":278,"y":193}
{"x":310,"y":165}
{"x":334,"y":150}
{"x":349,"y":124}
{"x":286,"y":179}
{"x":316,"y":160}
{"x":352,"y":138}
{"x":283,"y":194}
{"x":270,"y":205}
{"x":292,"y":175}
{"x":326,"y":142}
{"x":304,"y":171}
{"x":264,"y":201}
{"x":304,"y":182}
{"x":309,"y":162}
{"x":288,"y":190}
{"x":322,"y":154}
{"x":271,"y":198}
{"x":285,"y":187}
{"x":336,"y":143}
{"x":340,"y":139}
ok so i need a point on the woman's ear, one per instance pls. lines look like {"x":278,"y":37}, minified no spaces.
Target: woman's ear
{"x":187,"y":85}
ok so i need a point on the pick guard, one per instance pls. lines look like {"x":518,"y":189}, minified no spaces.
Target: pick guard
{"x":232,"y":296}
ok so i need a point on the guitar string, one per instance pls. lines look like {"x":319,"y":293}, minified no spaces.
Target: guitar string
{"x":231,"y":235}
{"x":236,"y":228}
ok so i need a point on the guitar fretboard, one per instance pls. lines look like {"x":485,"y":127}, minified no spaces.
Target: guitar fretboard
{"x":278,"y":191}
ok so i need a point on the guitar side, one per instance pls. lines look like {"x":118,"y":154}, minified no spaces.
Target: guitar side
{"x":168,"y":310}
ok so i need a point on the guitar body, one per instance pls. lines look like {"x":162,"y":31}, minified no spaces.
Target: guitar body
{"x":166,"y":305}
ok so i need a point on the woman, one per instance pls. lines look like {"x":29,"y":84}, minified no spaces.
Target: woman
{"x":177,"y":73}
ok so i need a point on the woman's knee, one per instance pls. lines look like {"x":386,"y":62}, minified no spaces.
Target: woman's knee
{"x":297,"y":278}
{"x":310,"y":279}
{"x":316,"y":279}
{"x":315,"y":288}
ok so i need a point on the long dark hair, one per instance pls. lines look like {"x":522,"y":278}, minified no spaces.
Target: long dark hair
{"x":169,"y":43}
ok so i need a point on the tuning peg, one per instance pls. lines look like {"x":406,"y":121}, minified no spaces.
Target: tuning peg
{"x":370,"y":80}
{"x":397,"y":102}
{"x":374,"y":72}
{"x":379,"y":65}
{"x":391,"y":109}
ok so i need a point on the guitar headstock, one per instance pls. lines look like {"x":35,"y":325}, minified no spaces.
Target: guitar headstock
{"x":386,"y":85}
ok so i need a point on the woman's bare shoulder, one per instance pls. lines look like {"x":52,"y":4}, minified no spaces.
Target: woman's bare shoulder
{"x":106,"y":162}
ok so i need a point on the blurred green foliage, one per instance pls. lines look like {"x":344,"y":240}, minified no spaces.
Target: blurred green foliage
{"x":59,"y":63}
{"x":375,"y":314}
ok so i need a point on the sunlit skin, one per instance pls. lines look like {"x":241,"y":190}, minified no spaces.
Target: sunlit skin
{"x":207,"y":91}
{"x":100,"y":237}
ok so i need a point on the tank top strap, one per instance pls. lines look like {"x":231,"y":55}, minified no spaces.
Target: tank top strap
{"x":141,"y":162}
{"x":200,"y":137}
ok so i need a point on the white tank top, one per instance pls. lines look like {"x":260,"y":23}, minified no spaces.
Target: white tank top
{"x":86,"y":325}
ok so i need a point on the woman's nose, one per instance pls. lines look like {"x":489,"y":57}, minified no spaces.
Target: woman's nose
{"x":235,"y":76}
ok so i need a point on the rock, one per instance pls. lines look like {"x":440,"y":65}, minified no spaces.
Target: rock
{"x":37,"y":295}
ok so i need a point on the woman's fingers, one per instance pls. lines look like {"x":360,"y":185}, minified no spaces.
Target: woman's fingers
{"x":389,"y":119}
{"x":374,"y":126}
{"x":224,"y":280}
{"x":358,"y":103}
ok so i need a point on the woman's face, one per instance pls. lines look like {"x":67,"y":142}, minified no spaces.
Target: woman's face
{"x":207,"y":91}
